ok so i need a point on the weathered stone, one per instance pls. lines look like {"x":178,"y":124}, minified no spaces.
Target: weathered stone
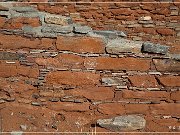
{"x":17,"y":133}
{"x":167,"y":65}
{"x":117,"y":46}
{"x":145,"y":18}
{"x":112,"y":81}
{"x":36,"y":31}
{"x":107,"y":34}
{"x":57,"y":29}
{"x":24,"y":9}
{"x":121,"y":34}
{"x":154,"y":48}
{"x":10,"y":56}
{"x":123,"y":123}
{"x":82,"y":29}
{"x":57,"y":19}
{"x":175,"y":56}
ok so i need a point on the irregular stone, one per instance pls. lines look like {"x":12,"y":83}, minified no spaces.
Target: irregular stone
{"x":10,"y":56}
{"x":57,"y":29}
{"x":154,"y":48}
{"x":72,"y":78}
{"x":24,"y":9}
{"x":167,"y":65}
{"x":145,"y":18}
{"x":175,"y":56}
{"x":121,"y":34}
{"x":17,"y":133}
{"x":112,"y":81}
{"x":117,"y":46}
{"x":57,"y":19}
{"x":123,"y":123}
{"x":107,"y":34}
{"x":95,"y":93}
{"x":82,"y":29}
{"x":36,"y":31}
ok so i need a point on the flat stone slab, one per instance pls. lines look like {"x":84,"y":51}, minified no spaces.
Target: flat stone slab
{"x":123,"y":123}
{"x":57,"y":19}
{"x":120,"y":45}
{"x":154,"y":48}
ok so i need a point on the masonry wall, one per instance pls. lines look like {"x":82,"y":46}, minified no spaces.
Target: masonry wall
{"x":68,"y":66}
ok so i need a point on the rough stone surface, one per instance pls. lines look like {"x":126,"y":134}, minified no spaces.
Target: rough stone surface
{"x":57,"y":19}
{"x":82,"y":29}
{"x":123,"y":123}
{"x":120,"y":45}
{"x":10,"y":56}
{"x":154,"y":48}
{"x":73,"y":78}
{"x":167,"y":65}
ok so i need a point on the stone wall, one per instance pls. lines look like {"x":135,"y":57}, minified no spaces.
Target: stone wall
{"x":86,"y":67}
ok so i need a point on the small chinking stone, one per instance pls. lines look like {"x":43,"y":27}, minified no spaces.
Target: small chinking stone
{"x":123,"y":123}
{"x":154,"y":48}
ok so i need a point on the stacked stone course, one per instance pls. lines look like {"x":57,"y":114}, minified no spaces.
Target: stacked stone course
{"x":66,"y":67}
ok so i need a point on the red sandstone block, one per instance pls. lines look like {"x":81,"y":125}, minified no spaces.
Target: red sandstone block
{"x":80,"y":44}
{"x":170,"y":81}
{"x":167,"y":65}
{"x":64,"y":106}
{"x":2,"y":22}
{"x":73,"y":78}
{"x":146,"y":94}
{"x":62,"y":61}
{"x":95,"y":93}
{"x":17,"y":42}
{"x":7,"y":70}
{"x":165,"y":31}
{"x":111,"y":108}
{"x":175,"y":95}
{"x":46,"y":43}
{"x":122,"y":11}
{"x":165,"y":109}
{"x":105,"y":63}
{"x":143,"y":81}
{"x":137,"y":108}
{"x":17,"y":23}
{"x":28,"y":71}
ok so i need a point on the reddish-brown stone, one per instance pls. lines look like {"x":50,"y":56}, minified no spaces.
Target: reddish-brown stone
{"x":17,"y":42}
{"x":170,"y":81}
{"x":80,"y":44}
{"x":111,"y":108}
{"x":146,"y":94}
{"x":62,"y":61}
{"x":17,"y":23}
{"x":2,"y":22}
{"x":165,"y":109}
{"x":72,"y":78}
{"x":64,"y":106}
{"x":143,"y":81}
{"x":175,"y":95}
{"x":137,"y":108}
{"x":7,"y":70}
{"x":95,"y":93}
{"x":28,"y":71}
{"x":167,"y":65}
{"x":105,"y":63}
{"x":46,"y":43}
{"x":165,"y":31}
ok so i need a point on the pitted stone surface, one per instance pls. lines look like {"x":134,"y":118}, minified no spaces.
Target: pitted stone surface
{"x":120,"y":45}
{"x":154,"y":48}
{"x":57,"y":19}
{"x":123,"y":123}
